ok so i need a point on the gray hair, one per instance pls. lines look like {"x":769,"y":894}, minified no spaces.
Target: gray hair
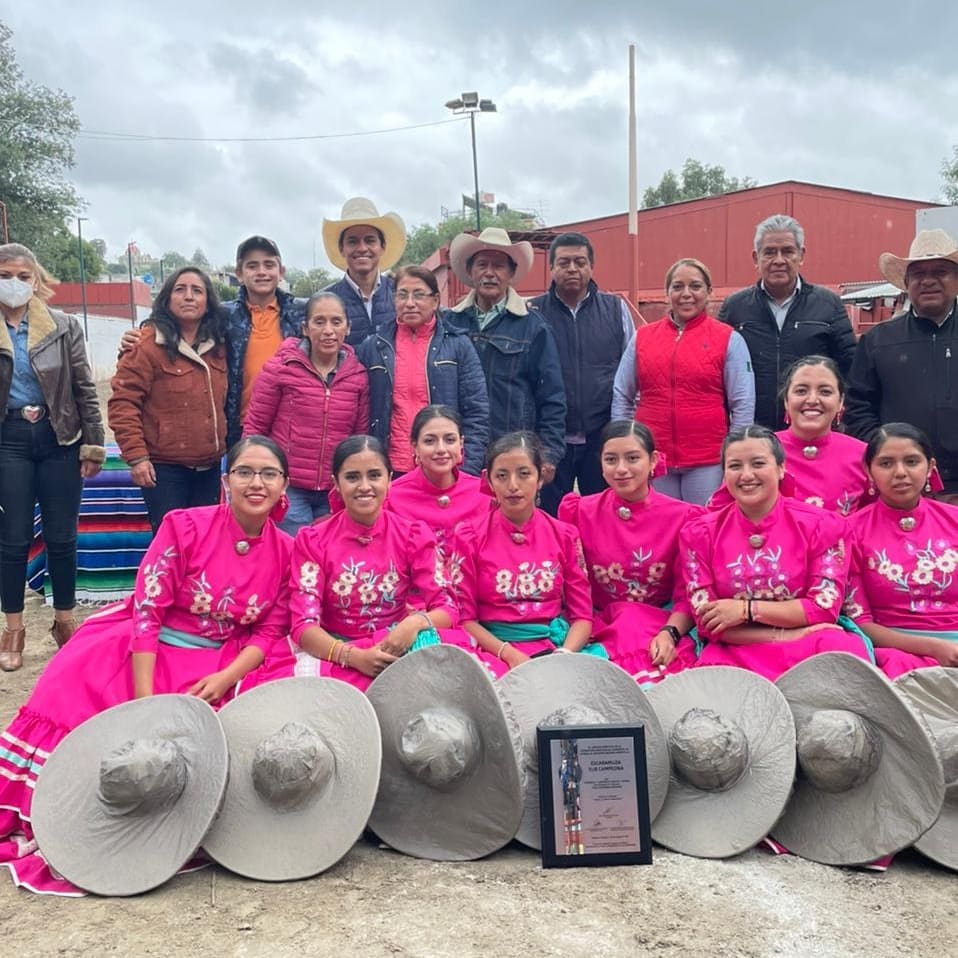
{"x":779,"y":223}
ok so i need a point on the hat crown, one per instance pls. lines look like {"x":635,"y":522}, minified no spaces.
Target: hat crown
{"x":932,"y":244}
{"x":494,"y":236}
{"x":357,"y":207}
{"x":838,"y":750}
{"x":142,"y":775}
{"x":708,"y":751}
{"x":288,"y":765}
{"x":946,"y":741}
{"x":440,"y":747}
{"x":576,"y":713}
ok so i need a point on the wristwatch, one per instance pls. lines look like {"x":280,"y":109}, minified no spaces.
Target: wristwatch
{"x":673,"y":631}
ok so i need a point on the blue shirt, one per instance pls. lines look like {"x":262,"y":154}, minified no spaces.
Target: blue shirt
{"x":24,"y":387}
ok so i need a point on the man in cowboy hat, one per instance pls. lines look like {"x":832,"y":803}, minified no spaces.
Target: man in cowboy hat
{"x":905,"y":368}
{"x":363,"y":243}
{"x":516,"y":348}
{"x":592,"y":330}
{"x":783,"y":317}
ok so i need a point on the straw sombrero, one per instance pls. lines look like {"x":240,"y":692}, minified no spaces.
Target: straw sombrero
{"x":927,"y":244}
{"x":464,"y":246}
{"x":360,"y":211}
{"x":304,"y":767}
{"x":125,"y":799}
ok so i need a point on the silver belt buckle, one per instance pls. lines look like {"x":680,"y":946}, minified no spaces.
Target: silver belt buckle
{"x":33,"y":413}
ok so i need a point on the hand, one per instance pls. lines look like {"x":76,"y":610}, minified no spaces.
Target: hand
{"x":548,"y":473}
{"x":144,"y":693}
{"x":370,"y":661}
{"x":402,"y":635}
{"x":722,"y":614}
{"x":89,"y":468}
{"x":143,"y":474}
{"x":513,"y":657}
{"x":946,"y":652}
{"x":130,"y":338}
{"x":213,"y":687}
{"x":662,"y":650}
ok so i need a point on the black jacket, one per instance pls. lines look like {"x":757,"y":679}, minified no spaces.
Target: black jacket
{"x":816,"y":324}
{"x":903,"y":372}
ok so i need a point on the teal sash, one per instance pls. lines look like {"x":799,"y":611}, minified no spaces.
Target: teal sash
{"x":950,"y":636}
{"x":424,"y":638}
{"x":183,"y":640}
{"x":555,"y":631}
{"x":849,"y":625}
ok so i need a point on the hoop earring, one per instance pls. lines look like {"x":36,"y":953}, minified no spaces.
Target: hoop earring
{"x":872,"y":491}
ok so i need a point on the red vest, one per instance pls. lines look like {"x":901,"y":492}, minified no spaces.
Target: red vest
{"x":681,"y":389}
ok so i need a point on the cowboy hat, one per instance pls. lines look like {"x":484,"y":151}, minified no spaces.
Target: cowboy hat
{"x":304,"y":767}
{"x":362,"y":212}
{"x":464,"y":246}
{"x":126,"y":797}
{"x":928,"y":244}
{"x":579,"y":690}
{"x":732,"y":744}
{"x":450,"y":787}
{"x":870,"y":782}
{"x":933,"y":694}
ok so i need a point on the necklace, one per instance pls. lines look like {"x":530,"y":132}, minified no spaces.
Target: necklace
{"x":906,"y":523}
{"x":624,"y":513}
{"x":241,"y":547}
{"x":810,"y":452}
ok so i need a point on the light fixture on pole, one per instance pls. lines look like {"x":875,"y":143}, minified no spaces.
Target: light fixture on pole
{"x":86,"y":329}
{"x":471,"y":104}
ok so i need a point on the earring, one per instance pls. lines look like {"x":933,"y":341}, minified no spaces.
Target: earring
{"x":838,"y":416}
{"x":284,"y":502}
{"x":788,"y":418}
{"x":927,"y":488}
{"x":871,"y":490}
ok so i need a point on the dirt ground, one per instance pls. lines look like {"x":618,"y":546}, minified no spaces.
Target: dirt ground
{"x":379,"y":903}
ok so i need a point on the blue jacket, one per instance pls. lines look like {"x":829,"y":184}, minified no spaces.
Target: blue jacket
{"x":237,"y":325}
{"x":521,"y":364}
{"x":455,"y":379}
{"x":360,"y":324}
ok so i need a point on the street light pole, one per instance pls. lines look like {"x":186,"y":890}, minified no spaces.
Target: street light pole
{"x":471,"y":104}
{"x":86,"y":328}
{"x":129,"y":261}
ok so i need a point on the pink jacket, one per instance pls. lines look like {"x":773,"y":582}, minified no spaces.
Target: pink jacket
{"x":292,"y":405}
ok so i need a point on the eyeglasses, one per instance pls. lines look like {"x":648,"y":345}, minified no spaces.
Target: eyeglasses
{"x":268,"y":475}
{"x":416,"y":296}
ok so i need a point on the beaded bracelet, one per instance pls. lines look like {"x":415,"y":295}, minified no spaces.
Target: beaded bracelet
{"x":345,"y":659}
{"x":502,"y":649}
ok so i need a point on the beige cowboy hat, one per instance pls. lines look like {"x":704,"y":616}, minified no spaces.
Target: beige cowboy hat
{"x":870,"y":782}
{"x":362,"y":212}
{"x":732,"y":744}
{"x":304,"y":768}
{"x":465,"y":246}
{"x":928,"y":244}
{"x":933,"y":694}
{"x":578,"y":690}
{"x":450,"y":787}
{"x":124,"y":800}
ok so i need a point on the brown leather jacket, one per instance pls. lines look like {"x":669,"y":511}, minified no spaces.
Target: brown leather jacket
{"x":59,"y":360}
{"x":170,"y":411}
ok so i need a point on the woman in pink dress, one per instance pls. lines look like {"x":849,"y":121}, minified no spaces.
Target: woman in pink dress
{"x":367,"y":586}
{"x":208,"y":617}
{"x":903,"y":590}
{"x":765,"y":575}
{"x":630,"y":537}
{"x":518,"y":572}
{"x":437,"y":491}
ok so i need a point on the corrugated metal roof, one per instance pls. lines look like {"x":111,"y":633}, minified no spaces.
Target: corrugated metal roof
{"x":879,"y":291}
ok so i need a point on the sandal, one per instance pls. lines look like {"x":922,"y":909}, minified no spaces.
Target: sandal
{"x":62,"y":631}
{"x":11,"y":648}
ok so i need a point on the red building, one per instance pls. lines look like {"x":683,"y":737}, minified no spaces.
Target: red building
{"x":104,"y":299}
{"x":845,"y":231}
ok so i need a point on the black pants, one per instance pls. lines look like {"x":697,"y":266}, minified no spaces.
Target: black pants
{"x":580,"y":463}
{"x":180,"y":487}
{"x":34,"y":467}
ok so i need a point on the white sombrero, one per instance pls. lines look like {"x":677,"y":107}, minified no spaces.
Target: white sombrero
{"x":927,"y":244}
{"x":465,"y":246}
{"x":362,"y":212}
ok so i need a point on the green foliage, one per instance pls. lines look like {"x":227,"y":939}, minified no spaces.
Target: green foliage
{"x":173,"y":260}
{"x":60,"y":254}
{"x":199,"y":259}
{"x":422,"y":241}
{"x":949,"y":171}
{"x":37,"y":126}
{"x":302,"y":283}
{"x":224,"y":291}
{"x":697,"y":180}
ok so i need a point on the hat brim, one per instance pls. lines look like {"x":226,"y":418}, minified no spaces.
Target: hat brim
{"x":897,"y":804}
{"x":933,"y":694}
{"x":389,"y":224}
{"x":253,"y":838}
{"x":481,"y":813}
{"x":893,"y":267}
{"x":464,"y":246}
{"x":110,"y":854}
{"x":719,"y":824}
{"x":539,"y":687}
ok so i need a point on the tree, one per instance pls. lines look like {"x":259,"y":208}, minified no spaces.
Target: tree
{"x":422,"y":241}
{"x":37,"y":127}
{"x":62,"y":258}
{"x":302,"y":283}
{"x":949,"y":170}
{"x":697,"y":180}
{"x":199,"y":259}
{"x":173,"y":260}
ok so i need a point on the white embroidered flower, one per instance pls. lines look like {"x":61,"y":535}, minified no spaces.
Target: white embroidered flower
{"x":202,"y":603}
{"x":527,"y":584}
{"x":615,"y":571}
{"x":308,"y":574}
{"x":601,"y":574}
{"x":656,"y":570}
{"x":699,"y":598}
{"x":947,"y":562}
{"x":342,"y":588}
{"x":816,"y":501}
{"x":895,"y":571}
{"x":923,"y":576}
{"x":826,"y":597}
{"x":151,"y":586}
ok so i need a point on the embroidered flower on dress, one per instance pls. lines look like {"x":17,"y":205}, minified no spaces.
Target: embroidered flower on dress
{"x":309,"y":575}
{"x":253,"y":610}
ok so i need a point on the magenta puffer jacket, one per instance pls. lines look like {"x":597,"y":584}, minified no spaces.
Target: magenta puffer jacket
{"x":292,"y":405}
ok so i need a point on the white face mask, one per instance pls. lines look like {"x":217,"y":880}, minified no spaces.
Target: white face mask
{"x":15,"y":292}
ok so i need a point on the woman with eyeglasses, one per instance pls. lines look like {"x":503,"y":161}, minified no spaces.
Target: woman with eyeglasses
{"x":208,"y":617}
{"x":689,"y":378}
{"x":309,"y":397}
{"x":416,"y":361}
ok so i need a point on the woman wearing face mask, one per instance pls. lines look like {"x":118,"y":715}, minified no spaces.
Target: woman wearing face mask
{"x":689,"y":378}
{"x":51,"y":439}
{"x":417,"y":360}
{"x":309,"y":397}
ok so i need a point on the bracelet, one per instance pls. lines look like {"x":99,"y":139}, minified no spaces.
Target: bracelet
{"x":673,"y":632}
{"x":138,"y":460}
{"x":343,"y":651}
{"x":562,"y":648}
{"x":749,"y":611}
{"x":502,"y":649}
{"x":745,"y":610}
{"x":425,"y":615}
{"x":332,"y":649}
{"x":345,"y":661}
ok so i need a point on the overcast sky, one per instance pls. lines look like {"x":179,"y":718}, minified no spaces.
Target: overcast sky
{"x":807,"y":91}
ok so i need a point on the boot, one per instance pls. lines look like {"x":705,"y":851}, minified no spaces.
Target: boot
{"x":62,"y":630}
{"x":11,"y":648}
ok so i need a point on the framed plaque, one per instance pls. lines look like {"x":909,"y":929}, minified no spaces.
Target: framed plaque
{"x":593,"y":796}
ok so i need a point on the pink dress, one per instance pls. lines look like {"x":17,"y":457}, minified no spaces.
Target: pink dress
{"x":631,"y":554}
{"x":834,"y":478}
{"x":905,"y":578}
{"x":359,"y":581}
{"x":795,"y":552}
{"x":524,"y":579}
{"x":413,"y":496}
{"x":197,"y":603}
